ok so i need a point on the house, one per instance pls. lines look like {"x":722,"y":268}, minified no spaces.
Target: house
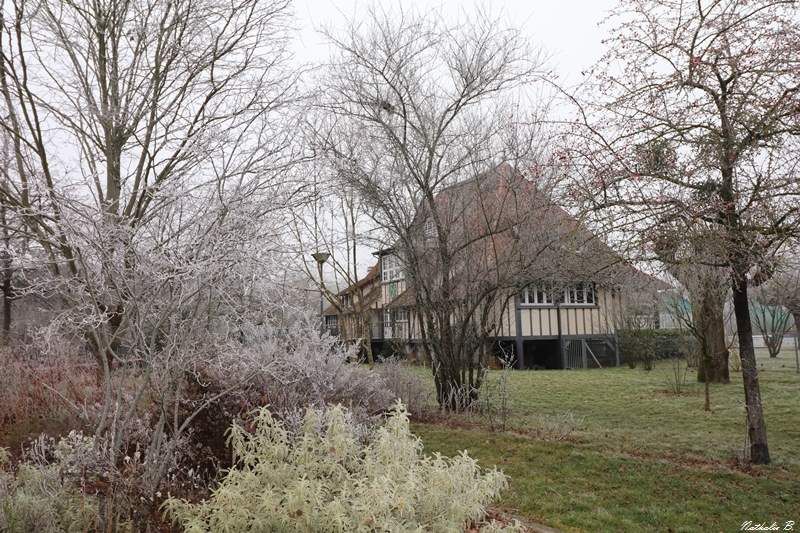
{"x":559,"y":313}
{"x":356,"y":313}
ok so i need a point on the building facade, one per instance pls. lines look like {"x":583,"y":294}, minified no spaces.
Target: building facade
{"x":500,"y":219}
{"x":540,"y":327}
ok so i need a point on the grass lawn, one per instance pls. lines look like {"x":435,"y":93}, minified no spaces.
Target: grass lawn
{"x":641,"y":458}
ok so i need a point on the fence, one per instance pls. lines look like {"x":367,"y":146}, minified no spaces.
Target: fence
{"x":589,"y":353}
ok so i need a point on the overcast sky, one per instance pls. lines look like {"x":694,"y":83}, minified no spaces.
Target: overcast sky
{"x":567,"y":30}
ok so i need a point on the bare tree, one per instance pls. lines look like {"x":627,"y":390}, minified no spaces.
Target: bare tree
{"x":417,"y":114}
{"x":690,"y":255}
{"x":120,"y":107}
{"x":709,"y":91}
{"x":10,"y":228}
{"x":778,"y":303}
{"x":333,"y":222}
{"x":705,"y":310}
{"x":153,"y":154}
{"x":772,"y":320}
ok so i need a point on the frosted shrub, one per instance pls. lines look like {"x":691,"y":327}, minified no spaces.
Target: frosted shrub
{"x":324,"y":479}
{"x":408,"y":385}
{"x":42,"y":389}
{"x":291,"y":370}
{"x":37,"y":497}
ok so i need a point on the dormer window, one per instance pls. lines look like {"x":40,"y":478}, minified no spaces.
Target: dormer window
{"x":430,"y":228}
{"x":536,"y":295}
{"x":391,"y":268}
{"x":580,"y":294}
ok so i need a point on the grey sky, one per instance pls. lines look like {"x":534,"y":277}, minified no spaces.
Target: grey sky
{"x":567,"y":30}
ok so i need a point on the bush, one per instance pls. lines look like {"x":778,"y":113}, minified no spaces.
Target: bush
{"x":323,"y":479}
{"x":297,"y":369}
{"x":557,"y":427}
{"x":407,"y":385}
{"x":40,"y":497}
{"x":648,"y":345}
{"x":290,"y":372}
{"x":141,"y":457}
{"x":51,"y":393}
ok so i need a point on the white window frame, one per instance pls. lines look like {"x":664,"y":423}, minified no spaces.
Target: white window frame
{"x":391,"y":269}
{"x":387,"y":324}
{"x":536,"y":296}
{"x":430,"y":228}
{"x":580,"y":295}
{"x":400,"y":326}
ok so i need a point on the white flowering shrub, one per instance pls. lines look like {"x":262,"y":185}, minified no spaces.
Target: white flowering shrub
{"x":324,"y":479}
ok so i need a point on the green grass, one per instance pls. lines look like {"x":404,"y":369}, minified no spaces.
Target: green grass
{"x":641,"y":458}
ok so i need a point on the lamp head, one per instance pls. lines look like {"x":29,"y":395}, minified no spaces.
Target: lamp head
{"x":320,"y":257}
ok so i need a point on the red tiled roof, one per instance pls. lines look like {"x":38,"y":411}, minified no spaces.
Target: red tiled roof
{"x":509,"y":218}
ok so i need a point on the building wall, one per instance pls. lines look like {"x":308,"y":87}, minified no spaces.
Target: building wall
{"x":575,"y":320}
{"x":535,"y":321}
{"x":391,"y":290}
{"x":595,"y":320}
{"x":353,"y":326}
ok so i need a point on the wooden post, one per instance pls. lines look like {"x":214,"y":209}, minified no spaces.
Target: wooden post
{"x":561,"y":347}
{"x":583,"y":354}
{"x":519,"y":345}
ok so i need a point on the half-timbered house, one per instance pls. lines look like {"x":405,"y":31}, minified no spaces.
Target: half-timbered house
{"x":563,"y":315}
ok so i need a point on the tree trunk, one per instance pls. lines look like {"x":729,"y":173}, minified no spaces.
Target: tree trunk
{"x":7,"y":307}
{"x":368,"y":340}
{"x":710,"y":322}
{"x":8,"y":296}
{"x":774,"y":344}
{"x":756,"y":427}
{"x":796,"y":316}
{"x":450,"y":392}
{"x":8,"y":275}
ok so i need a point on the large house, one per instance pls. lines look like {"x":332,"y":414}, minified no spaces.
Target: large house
{"x":568,"y":323}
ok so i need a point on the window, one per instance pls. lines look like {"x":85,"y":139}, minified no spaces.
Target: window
{"x":391,"y":268}
{"x":573,"y":295}
{"x":580,"y":294}
{"x":395,"y":323}
{"x":387,"y":324}
{"x":401,"y":323}
{"x":536,"y":295}
{"x":430,"y":229}
{"x":332,"y":324}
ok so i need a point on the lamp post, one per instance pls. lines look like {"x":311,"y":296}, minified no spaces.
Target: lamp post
{"x":320,"y":258}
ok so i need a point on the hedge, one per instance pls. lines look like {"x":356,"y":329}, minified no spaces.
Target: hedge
{"x":651,"y":344}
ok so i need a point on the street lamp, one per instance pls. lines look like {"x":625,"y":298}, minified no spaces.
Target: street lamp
{"x":320,"y":258}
